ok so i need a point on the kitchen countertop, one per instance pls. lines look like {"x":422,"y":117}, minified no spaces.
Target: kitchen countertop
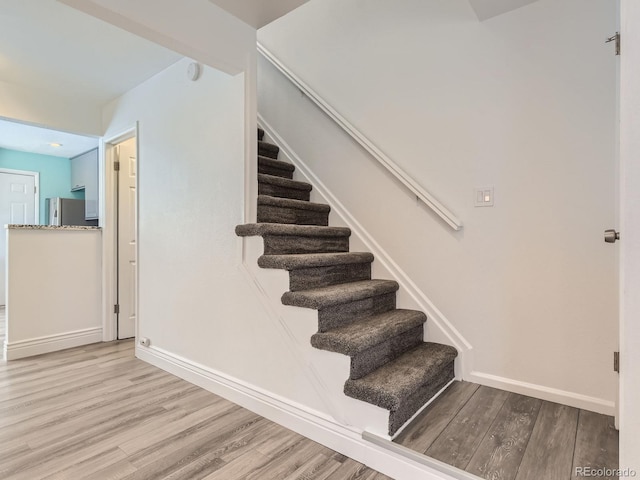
{"x":50,"y":227}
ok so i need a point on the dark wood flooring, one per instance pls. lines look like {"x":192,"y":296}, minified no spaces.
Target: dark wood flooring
{"x":97,"y":412}
{"x":499,"y":435}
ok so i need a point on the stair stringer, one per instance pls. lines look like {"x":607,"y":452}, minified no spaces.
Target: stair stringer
{"x":438,"y":328}
{"x":327,"y":371}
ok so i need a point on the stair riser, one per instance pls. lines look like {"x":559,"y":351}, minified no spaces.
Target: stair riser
{"x":281,"y":245}
{"x":398,"y":417}
{"x":276,"y":172}
{"x":273,"y":214}
{"x":346,"y":313}
{"x":306,"y":278}
{"x":268,"y":152}
{"x":282,"y":192}
{"x":373,"y":358}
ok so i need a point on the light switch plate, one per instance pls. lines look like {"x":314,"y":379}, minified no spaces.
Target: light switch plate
{"x":483,"y":196}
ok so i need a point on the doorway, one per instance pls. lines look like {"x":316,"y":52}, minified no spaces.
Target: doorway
{"x":120,"y":232}
{"x":19,"y":200}
{"x":126,"y":235}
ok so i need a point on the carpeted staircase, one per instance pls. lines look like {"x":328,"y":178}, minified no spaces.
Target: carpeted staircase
{"x":391,"y":366}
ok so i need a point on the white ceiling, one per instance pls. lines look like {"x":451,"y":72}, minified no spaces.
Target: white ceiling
{"x":27,"y":138}
{"x":50,"y":46}
{"x":258,"y":13}
{"x":486,"y":9}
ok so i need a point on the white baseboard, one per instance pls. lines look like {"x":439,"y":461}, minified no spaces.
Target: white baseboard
{"x":51,"y":343}
{"x":564,"y":397}
{"x":307,"y":422}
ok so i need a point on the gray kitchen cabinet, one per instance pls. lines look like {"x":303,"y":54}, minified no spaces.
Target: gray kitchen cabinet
{"x":84,"y":176}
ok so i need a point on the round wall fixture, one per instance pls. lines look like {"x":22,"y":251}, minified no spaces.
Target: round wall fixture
{"x":193,"y":71}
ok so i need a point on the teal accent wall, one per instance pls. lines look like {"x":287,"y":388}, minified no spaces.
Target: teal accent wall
{"x":55,"y":174}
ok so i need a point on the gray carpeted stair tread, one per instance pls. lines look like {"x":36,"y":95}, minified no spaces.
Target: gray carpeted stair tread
{"x":260,"y":133}
{"x":268,"y":146}
{"x":309,"y":260}
{"x":273,"y":163}
{"x":283,"y":229}
{"x":368,"y":332}
{"x":394,"y":382}
{"x":267,"y":149}
{"x":284,"y":182}
{"x":322,"y":297}
{"x":289,"y":207}
{"x":292,"y":203}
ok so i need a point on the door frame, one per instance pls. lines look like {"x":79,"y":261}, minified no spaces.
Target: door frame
{"x":36,"y":194}
{"x":630,"y":235}
{"x":108,"y":222}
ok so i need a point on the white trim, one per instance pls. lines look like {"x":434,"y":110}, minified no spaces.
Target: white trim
{"x":429,"y":200}
{"x":436,"y":317}
{"x":419,"y":458}
{"x":36,"y":194}
{"x":51,"y":343}
{"x":108,"y":203}
{"x":303,"y":420}
{"x":415,"y":415}
{"x":564,"y":397}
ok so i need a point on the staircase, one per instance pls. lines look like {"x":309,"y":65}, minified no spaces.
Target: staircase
{"x":391,"y":366}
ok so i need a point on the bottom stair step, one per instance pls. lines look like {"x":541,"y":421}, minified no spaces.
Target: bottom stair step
{"x":408,"y":382}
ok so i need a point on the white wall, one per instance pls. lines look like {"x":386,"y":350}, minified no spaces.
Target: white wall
{"x":524,"y":102}
{"x":630,"y":237}
{"x":54,"y":290}
{"x":195,"y":28}
{"x":48,"y":109}
{"x":194,"y":300}
{"x":202,"y":310}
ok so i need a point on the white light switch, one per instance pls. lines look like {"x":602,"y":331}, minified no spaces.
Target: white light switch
{"x":483,"y":196}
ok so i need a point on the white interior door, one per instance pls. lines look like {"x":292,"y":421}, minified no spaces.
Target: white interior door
{"x":17,"y":206}
{"x":127,"y":263}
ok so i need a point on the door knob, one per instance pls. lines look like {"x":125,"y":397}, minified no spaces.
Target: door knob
{"x":610,"y":236}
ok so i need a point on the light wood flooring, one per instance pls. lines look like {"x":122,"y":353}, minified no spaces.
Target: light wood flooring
{"x":97,"y":412}
{"x":504,"y":436}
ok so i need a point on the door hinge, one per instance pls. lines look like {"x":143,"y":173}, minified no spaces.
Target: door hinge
{"x":616,"y":362}
{"x":615,"y":38}
{"x":35,"y":190}
{"x":116,"y":165}
{"x":116,"y":309}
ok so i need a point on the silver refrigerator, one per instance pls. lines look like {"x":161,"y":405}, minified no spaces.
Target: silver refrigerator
{"x":66,"y":211}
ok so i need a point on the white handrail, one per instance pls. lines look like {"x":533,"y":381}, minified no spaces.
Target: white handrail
{"x":428,"y":199}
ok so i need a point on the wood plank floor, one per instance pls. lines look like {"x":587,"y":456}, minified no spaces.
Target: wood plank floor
{"x":499,"y":435}
{"x":97,"y":412}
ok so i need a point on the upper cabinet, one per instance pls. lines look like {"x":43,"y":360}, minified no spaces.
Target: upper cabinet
{"x":84,"y":176}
